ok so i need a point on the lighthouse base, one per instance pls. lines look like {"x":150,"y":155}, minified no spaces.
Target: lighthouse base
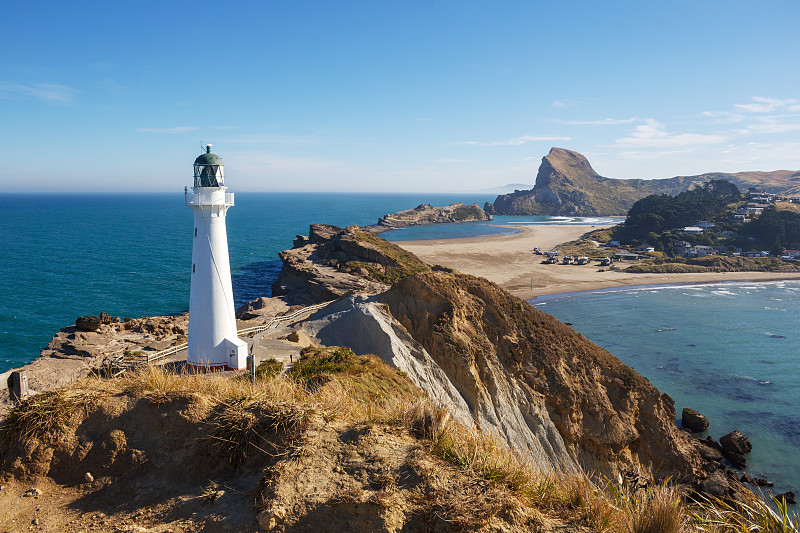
{"x":230,"y":354}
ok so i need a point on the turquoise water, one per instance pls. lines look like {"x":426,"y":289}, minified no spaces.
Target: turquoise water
{"x":490,"y":227}
{"x":728,"y":350}
{"x":64,"y":256}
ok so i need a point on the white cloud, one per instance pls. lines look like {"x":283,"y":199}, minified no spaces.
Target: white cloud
{"x":565,"y":103}
{"x":652,"y":134}
{"x":724,"y":117}
{"x":517,"y":141}
{"x":174,"y":129}
{"x":604,"y":122}
{"x":763,"y":104}
{"x":47,"y":92}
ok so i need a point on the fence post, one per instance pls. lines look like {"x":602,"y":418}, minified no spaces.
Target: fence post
{"x":18,"y":385}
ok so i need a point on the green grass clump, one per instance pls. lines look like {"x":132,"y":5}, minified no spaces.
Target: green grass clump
{"x":315,"y":362}
{"x":269,"y":368}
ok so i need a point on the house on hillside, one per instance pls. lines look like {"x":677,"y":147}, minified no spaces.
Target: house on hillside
{"x":692,"y":229}
{"x":705,"y":224}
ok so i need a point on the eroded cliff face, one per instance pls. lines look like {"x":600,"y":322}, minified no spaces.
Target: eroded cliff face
{"x":498,"y":363}
{"x":529,"y":377}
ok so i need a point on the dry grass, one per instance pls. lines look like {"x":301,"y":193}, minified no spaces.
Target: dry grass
{"x":43,"y":417}
{"x":268,"y":416}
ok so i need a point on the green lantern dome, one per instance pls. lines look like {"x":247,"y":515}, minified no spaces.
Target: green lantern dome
{"x":208,"y":170}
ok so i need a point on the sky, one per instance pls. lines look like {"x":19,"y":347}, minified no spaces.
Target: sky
{"x":413,"y":96}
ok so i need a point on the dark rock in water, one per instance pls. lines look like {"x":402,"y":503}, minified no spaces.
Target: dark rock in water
{"x":761,"y":482}
{"x":747,"y":478}
{"x":706,"y":451}
{"x":711,"y":442}
{"x":88,"y":323}
{"x":736,"y":459}
{"x":693,"y":420}
{"x":777,"y":336}
{"x":736,"y":441}
{"x":716,"y":484}
{"x":787,"y":496}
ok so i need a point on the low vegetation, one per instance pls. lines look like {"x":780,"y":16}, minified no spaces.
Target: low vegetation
{"x":715,"y":263}
{"x":396,"y":265}
{"x":268,"y":417}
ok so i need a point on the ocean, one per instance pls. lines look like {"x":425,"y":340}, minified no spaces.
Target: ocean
{"x":728,"y":350}
{"x":725,"y":350}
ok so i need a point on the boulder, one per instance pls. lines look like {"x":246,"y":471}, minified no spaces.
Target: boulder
{"x":736,"y":459}
{"x":88,"y":323}
{"x":300,"y":338}
{"x":714,"y":444}
{"x":787,"y":496}
{"x":707,"y":452}
{"x":693,"y":420}
{"x":735,"y":441}
{"x":716,"y":484}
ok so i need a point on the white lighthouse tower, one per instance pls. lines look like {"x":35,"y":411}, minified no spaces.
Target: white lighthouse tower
{"x":212,"y":319}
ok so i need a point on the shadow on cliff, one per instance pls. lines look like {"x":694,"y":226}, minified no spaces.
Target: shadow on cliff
{"x":254,"y":280}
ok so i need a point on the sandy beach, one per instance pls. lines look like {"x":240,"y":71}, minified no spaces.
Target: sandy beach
{"x":508,"y":261}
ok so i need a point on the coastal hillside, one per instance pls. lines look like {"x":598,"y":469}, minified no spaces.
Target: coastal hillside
{"x":507,"y":367}
{"x":566,"y":184}
{"x":432,"y":400}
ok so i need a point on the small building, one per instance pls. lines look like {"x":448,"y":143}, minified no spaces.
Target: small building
{"x":706,"y":224}
{"x":625,"y":256}
{"x":692,"y":229}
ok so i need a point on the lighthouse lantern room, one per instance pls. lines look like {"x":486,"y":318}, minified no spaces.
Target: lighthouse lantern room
{"x":212,"y":320}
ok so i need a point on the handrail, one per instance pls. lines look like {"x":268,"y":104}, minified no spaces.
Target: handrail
{"x":151,"y":358}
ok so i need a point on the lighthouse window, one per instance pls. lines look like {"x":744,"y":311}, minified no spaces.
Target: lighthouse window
{"x":195,"y":232}
{"x":192,"y":269}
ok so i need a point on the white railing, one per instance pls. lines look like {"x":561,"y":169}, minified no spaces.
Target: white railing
{"x":209,"y":198}
{"x":142,"y":358}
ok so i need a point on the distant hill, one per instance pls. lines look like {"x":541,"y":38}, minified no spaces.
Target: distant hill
{"x":568,"y":185}
{"x":504,"y":189}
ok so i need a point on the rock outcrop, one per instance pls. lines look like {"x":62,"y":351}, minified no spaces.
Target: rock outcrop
{"x":427,"y":214}
{"x":332,"y":262}
{"x":692,"y":420}
{"x":566,"y":184}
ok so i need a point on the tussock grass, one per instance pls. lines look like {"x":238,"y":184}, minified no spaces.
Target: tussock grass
{"x":43,"y":416}
{"x":753,"y":514}
{"x":242,"y":427}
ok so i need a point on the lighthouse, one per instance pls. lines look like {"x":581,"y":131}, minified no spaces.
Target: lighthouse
{"x":212,"y":320}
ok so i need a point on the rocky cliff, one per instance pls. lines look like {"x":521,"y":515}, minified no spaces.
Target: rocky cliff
{"x":566,"y":184}
{"x":331,"y":262}
{"x":515,"y":372}
{"x":512,"y":370}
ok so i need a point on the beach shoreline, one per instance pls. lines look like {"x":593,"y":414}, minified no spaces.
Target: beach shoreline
{"x":508,"y":260}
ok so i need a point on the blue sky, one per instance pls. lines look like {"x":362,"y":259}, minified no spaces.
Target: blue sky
{"x":391,"y":96}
